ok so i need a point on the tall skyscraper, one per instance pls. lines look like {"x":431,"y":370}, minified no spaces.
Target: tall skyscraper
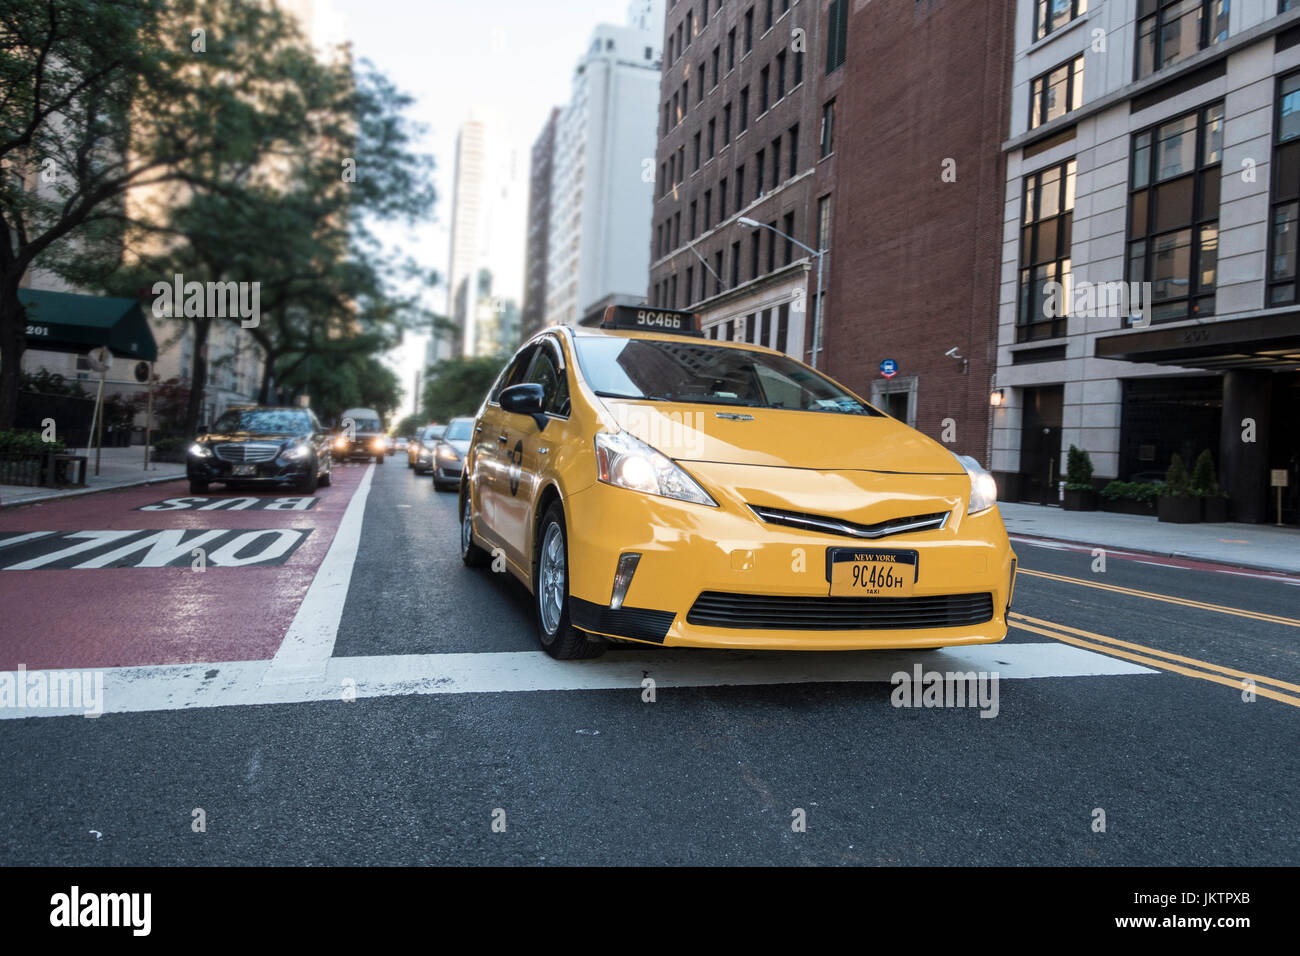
{"x":602,"y":182}
{"x":539,"y":227}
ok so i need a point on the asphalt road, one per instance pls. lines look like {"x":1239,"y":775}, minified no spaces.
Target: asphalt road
{"x":1185,"y":770}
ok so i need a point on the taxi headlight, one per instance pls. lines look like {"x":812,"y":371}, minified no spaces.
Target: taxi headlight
{"x":628,"y":462}
{"x":983,"y":487}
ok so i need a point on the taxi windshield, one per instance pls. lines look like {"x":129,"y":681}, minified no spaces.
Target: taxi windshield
{"x":694,"y":372}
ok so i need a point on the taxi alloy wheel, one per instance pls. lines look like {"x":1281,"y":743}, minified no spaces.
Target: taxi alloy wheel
{"x":558,"y":636}
{"x":470,"y":553}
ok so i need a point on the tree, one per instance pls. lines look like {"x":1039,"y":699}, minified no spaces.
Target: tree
{"x":101,"y":98}
{"x":458,"y":386}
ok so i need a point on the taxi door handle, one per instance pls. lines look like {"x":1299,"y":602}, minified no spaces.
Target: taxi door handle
{"x":478,"y":429}
{"x":543,"y":450}
{"x":503,"y":438}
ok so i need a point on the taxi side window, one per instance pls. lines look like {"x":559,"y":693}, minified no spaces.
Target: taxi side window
{"x":555,"y":383}
{"x":514,"y":373}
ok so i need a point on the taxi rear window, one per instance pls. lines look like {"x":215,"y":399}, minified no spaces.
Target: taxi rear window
{"x":693,"y":372}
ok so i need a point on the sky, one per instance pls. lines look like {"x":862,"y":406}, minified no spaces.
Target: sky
{"x":509,"y":61}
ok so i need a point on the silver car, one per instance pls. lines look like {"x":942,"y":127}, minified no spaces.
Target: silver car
{"x":449,"y":454}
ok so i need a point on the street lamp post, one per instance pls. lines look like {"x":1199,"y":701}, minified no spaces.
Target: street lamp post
{"x":817,"y":303}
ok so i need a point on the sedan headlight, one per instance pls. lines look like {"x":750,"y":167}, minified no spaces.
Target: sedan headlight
{"x":448,"y":452}
{"x":297,"y":452}
{"x":983,"y":487}
{"x":200,"y":451}
{"x":628,"y":462}
{"x":340,"y":443}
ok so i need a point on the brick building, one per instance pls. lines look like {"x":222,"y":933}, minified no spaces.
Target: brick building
{"x":918,"y":226}
{"x":743,"y":89}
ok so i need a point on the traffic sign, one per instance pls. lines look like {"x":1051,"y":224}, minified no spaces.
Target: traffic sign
{"x":889,"y":368}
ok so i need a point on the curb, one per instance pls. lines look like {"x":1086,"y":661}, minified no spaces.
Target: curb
{"x":1271,"y":568}
{"x":79,"y":492}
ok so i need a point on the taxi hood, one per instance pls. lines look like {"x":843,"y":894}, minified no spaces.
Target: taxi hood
{"x":775,"y":437}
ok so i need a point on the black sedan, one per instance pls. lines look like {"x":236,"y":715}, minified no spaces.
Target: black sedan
{"x":261,"y":446}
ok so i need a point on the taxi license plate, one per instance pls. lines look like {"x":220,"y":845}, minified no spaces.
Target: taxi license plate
{"x":245,"y":471}
{"x":871,"y":573}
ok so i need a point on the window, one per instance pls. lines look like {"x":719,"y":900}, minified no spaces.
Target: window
{"x":787,"y":226}
{"x":755,"y":241}
{"x":1051,"y":15}
{"x":699,"y":84}
{"x":694,"y":208}
{"x":680,"y":47}
{"x":744,"y":109}
{"x":677,"y":112}
{"x":823,"y":222}
{"x":780,"y":75}
{"x":717,"y":273}
{"x":828,"y":129}
{"x":772,"y":238}
{"x":1056,"y":93}
{"x":794,"y":149}
{"x":686,"y":97}
{"x":749,"y":29}
{"x":735,"y":264}
{"x":769,"y":15}
{"x":717,"y":59}
{"x":722,"y":199}
{"x":708,"y":209}
{"x":704,"y":281}
{"x":837,"y":28}
{"x":672,"y":169}
{"x":1285,"y":220}
{"x":1173,"y":30}
{"x":690,"y":26}
{"x":1174,"y":213}
{"x":659,"y":240}
{"x":663,"y":180}
{"x":677,"y":229}
{"x":697,"y":150}
{"x":670,"y":48}
{"x":740,"y":188}
{"x":681,"y":163}
{"x":704,"y":14}
{"x":731,"y":49}
{"x":555,"y":384}
{"x":690,"y":284}
{"x":764,"y":78}
{"x":1047,"y":221}
{"x":713,"y":136}
{"x":798,"y":68}
{"x":668,"y":117}
{"x":726,"y":125}
{"x":776,"y":162}
{"x":672,"y":293}
{"x":760,"y":159}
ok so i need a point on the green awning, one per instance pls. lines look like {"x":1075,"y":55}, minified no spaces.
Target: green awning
{"x":68,"y":322}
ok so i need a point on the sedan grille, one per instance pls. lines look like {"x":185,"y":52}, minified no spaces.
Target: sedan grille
{"x":249,"y":453}
{"x":848,"y":529}
{"x":775,"y":613}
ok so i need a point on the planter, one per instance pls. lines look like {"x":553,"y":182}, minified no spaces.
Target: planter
{"x":1127,"y":506}
{"x":1214,"y":510}
{"x":22,"y":472}
{"x":1179,"y":510}
{"x":1080,"y":500}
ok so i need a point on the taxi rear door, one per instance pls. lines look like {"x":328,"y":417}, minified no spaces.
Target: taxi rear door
{"x":489,"y":464}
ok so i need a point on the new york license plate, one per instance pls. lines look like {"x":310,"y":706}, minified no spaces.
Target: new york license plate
{"x":867,"y":572}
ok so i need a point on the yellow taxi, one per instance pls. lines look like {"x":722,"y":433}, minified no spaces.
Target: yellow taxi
{"x":648,"y":484}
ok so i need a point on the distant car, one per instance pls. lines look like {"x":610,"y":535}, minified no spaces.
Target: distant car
{"x":362,"y":436}
{"x":449,"y":454}
{"x":390,"y":445}
{"x":261,"y":445}
{"x":401,"y":444}
{"x":420,"y":453}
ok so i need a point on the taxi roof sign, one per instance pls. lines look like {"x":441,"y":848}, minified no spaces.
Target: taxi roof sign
{"x":639,"y":318}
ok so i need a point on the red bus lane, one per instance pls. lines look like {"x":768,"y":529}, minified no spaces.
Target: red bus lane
{"x":152,"y":575}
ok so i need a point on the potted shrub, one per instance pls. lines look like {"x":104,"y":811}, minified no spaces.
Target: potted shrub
{"x":1205,"y":484}
{"x":1176,"y":503}
{"x":1079,"y":492}
{"x":1130,"y":497}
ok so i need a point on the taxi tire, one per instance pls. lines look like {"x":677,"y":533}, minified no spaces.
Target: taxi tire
{"x":568,"y":643}
{"x":472,"y":555}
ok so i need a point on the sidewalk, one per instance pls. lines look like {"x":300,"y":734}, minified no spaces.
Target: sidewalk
{"x":1247,"y":545}
{"x":118,"y":468}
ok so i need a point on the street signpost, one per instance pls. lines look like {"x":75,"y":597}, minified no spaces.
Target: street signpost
{"x":1279,"y":481}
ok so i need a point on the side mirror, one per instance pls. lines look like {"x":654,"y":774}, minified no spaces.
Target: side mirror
{"x":525,"y":399}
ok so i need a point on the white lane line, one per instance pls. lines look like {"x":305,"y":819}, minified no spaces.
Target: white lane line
{"x":189,"y":686}
{"x":309,"y":642}
{"x":31,"y":536}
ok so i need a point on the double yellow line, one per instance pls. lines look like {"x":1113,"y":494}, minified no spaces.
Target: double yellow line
{"x":1153,"y":657}
{"x":1168,"y":599}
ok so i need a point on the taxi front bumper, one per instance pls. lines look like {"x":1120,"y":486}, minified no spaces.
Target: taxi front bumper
{"x":724,"y":578}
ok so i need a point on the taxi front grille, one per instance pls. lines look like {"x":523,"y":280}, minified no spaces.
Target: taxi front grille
{"x":249,"y":453}
{"x":776,"y":613}
{"x":849,"y":529}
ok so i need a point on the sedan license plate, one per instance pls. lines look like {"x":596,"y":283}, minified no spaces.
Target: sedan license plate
{"x":871,"y":573}
{"x":245,"y":471}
